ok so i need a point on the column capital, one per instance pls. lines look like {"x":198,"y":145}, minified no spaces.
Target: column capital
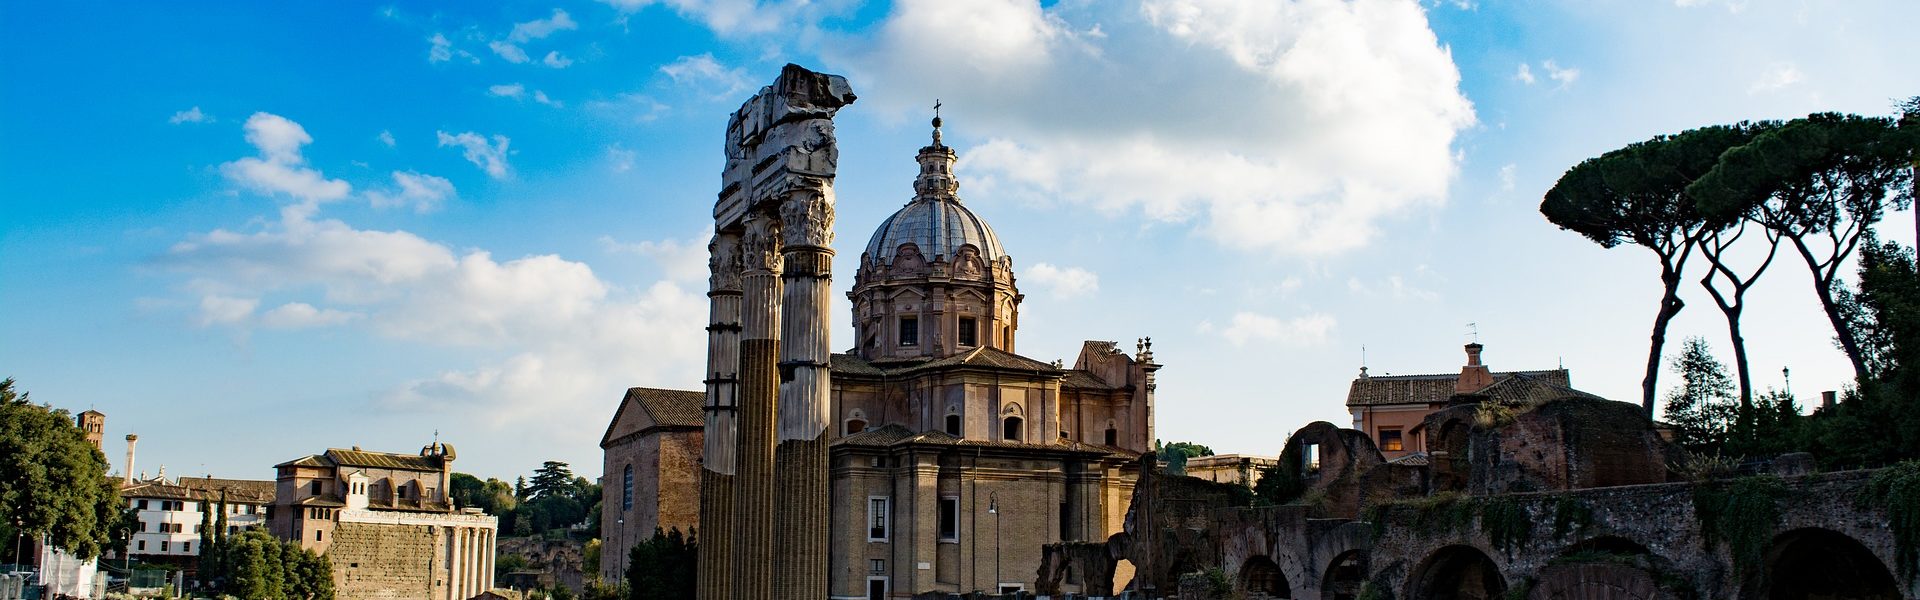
{"x":806,"y":216}
{"x":760,"y":245}
{"x":724,"y":263}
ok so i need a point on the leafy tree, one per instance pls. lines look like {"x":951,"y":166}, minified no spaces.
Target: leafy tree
{"x":494,"y":496}
{"x":1879,"y":422}
{"x":1702,"y":406}
{"x":52,"y":480}
{"x":663,"y":567}
{"x":1638,"y":195}
{"x":1820,"y":183}
{"x":262,"y":567}
{"x":553,"y":477}
{"x":1177,"y":453}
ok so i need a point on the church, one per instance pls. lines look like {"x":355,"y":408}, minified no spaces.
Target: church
{"x":952,"y":458}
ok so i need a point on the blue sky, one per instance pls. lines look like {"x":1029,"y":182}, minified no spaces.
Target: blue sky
{"x":251,"y":231}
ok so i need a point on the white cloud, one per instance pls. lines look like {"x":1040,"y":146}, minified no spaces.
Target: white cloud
{"x":281,"y":168}
{"x":490,"y":157}
{"x":191,"y":115}
{"x":386,"y":137}
{"x":541,"y":28}
{"x":1280,"y":127}
{"x":705,"y":74}
{"x":555,"y":60}
{"x":420,"y":191}
{"x":1566,"y":76}
{"x":1064,"y":282}
{"x":1308,"y":330}
{"x":440,"y":48}
{"x":1776,"y":77}
{"x":621,"y":158}
{"x":1733,"y":6}
{"x":1393,"y":286}
{"x":638,"y":108}
{"x":300,"y":315}
{"x":1508,"y":176}
{"x":225,"y":310}
{"x":681,"y":260}
{"x":1525,"y":74}
{"x":512,"y":53}
{"x":736,"y":17}
{"x":507,"y":90}
{"x":541,"y":97}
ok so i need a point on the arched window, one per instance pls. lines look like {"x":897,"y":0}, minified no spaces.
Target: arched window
{"x":953,"y":425}
{"x":1113,"y":437}
{"x":855,"y":426}
{"x":1011,"y":429}
{"x":626,"y":500}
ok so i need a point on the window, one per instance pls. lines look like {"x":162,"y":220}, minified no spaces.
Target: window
{"x":317,"y":487}
{"x":165,"y":545}
{"x":1310,"y":458}
{"x":140,"y":545}
{"x":319,"y":535}
{"x":186,"y":547}
{"x":626,"y":499}
{"x":909,"y":331}
{"x":877,"y":566}
{"x":1390,"y":440}
{"x":140,"y":504}
{"x":968,"y":332}
{"x":1113,"y":437}
{"x":950,"y":519}
{"x":1011,"y":429}
{"x":876,"y":519}
{"x":953,"y":425}
{"x":855,"y":426}
{"x":233,"y":529}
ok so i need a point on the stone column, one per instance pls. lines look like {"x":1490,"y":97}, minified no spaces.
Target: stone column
{"x":721,"y":437}
{"x":753,"y":549}
{"x":800,"y":460}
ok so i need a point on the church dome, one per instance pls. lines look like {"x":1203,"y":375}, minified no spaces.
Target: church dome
{"x":939,"y":227}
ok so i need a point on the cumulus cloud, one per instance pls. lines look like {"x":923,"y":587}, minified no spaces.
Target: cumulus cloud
{"x":507,"y":90}
{"x":419,"y":191}
{"x":1776,"y":77}
{"x":280,"y":167}
{"x":1247,"y":326}
{"x":707,"y":75}
{"x":439,"y":48}
{"x":541,"y":28}
{"x":300,"y":315}
{"x":1280,"y":127}
{"x":1525,"y":74}
{"x":490,"y":157}
{"x":732,"y":18}
{"x":386,"y":137}
{"x":225,"y":310}
{"x":1565,"y":75}
{"x":1063,"y":282}
{"x":555,"y":60}
{"x":638,"y":108}
{"x":191,"y":115}
{"x":681,"y":260}
{"x":507,"y":50}
{"x":541,"y":97}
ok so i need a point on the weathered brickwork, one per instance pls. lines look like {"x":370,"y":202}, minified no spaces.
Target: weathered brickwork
{"x":385,"y":561}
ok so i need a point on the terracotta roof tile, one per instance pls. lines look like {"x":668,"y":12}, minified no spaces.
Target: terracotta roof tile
{"x":383,"y":460}
{"x":670,"y":407}
{"x":1430,"y":389}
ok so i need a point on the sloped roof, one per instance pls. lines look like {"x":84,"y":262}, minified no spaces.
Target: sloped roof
{"x":1431,"y":389}
{"x":1417,"y":459}
{"x":663,"y":407}
{"x":238,"y":490}
{"x":310,"y":460}
{"x":383,"y":460}
{"x":1531,"y":389}
{"x":982,"y":357}
{"x":1084,"y":379}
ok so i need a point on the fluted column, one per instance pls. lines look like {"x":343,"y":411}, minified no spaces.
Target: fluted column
{"x":800,"y":458}
{"x":753,"y":549}
{"x":721,"y":439}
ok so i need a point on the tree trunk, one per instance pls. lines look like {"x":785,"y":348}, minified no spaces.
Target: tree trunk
{"x":1670,"y":305}
{"x":1823,"y":288}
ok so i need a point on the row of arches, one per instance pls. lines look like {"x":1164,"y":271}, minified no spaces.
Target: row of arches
{"x":1802,"y":563}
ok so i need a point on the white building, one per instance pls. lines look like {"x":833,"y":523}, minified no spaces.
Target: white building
{"x":171,"y":514}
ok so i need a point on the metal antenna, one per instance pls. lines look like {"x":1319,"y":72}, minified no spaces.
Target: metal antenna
{"x":1474,"y":329}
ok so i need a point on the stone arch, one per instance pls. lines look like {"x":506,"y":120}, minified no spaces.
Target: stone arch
{"x":1344,"y":576}
{"x":855,"y":422}
{"x":1456,"y":572}
{"x":1822,"y":563}
{"x":1604,"y":567}
{"x":1260,"y":577}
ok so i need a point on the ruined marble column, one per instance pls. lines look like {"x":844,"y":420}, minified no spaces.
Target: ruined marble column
{"x":753,"y":549}
{"x":721,"y":437}
{"x":800,"y":459}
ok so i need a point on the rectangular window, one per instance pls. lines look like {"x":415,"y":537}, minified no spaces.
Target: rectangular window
{"x":1390,"y":440}
{"x":140,"y":545}
{"x":909,"y":331}
{"x":140,"y":504}
{"x":626,"y":498}
{"x":876,"y":519}
{"x":165,"y":545}
{"x":950,"y":519}
{"x":968,"y":332}
{"x":1310,"y":458}
{"x":186,"y":547}
{"x":877,"y":566}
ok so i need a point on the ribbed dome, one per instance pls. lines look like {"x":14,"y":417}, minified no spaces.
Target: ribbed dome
{"x":938,"y":228}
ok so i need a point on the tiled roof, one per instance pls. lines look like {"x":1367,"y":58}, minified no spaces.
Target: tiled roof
{"x":310,"y":460}
{"x":383,"y":460}
{"x":238,"y":490}
{"x":1084,"y":379}
{"x":1417,"y":459}
{"x":670,"y":407}
{"x":1429,"y":389}
{"x":982,"y":357}
{"x":1532,"y":389}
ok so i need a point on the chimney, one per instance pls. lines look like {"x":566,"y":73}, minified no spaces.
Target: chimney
{"x":1475,"y":375}
{"x":131,"y":438}
{"x":1828,"y":399}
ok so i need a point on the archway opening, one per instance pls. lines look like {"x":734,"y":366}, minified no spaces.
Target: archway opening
{"x":1344,"y":576}
{"x":1819,"y":563}
{"x":1457,"y":573}
{"x":1261,"y":578}
{"x":1012,"y":429}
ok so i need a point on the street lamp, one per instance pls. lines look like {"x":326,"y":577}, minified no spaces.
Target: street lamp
{"x":993,"y":508}
{"x":19,"y":536}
